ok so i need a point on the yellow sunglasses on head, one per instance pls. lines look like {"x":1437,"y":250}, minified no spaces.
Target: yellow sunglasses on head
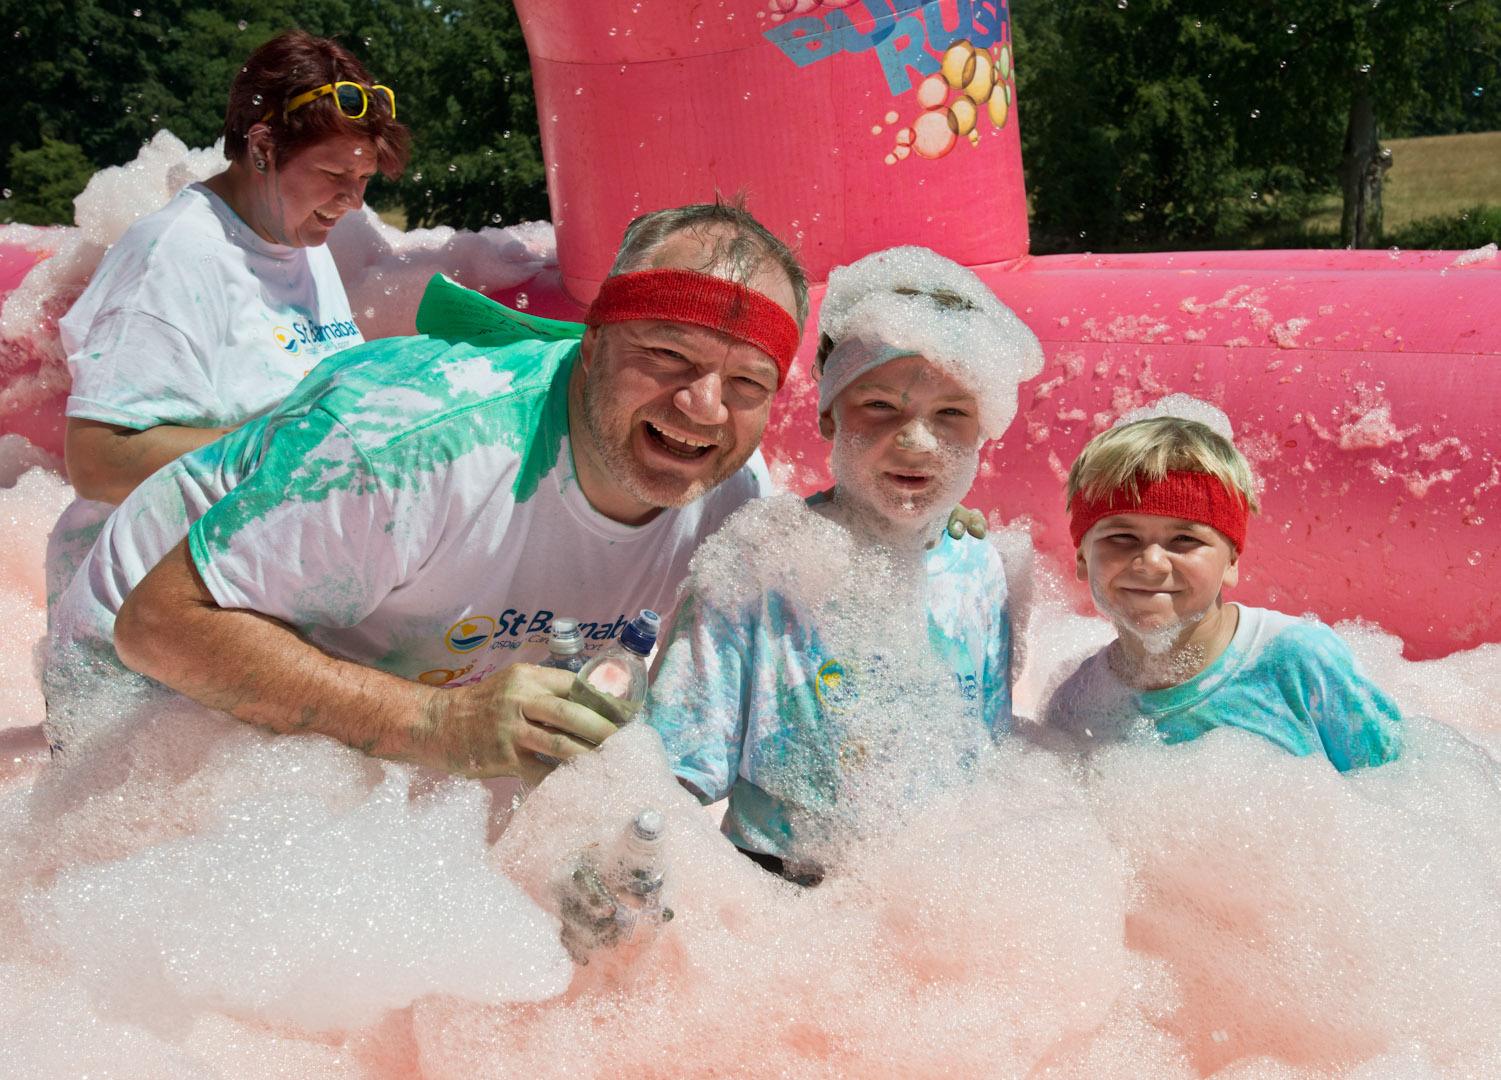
{"x":352,"y":98}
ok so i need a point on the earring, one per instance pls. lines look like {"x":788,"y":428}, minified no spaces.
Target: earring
{"x":260,"y":164}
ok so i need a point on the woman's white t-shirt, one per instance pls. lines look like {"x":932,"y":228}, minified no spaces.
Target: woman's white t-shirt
{"x":193,"y":320}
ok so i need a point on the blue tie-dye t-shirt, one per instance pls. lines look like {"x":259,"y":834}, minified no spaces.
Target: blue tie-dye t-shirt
{"x":757,"y":700}
{"x":1290,"y":680}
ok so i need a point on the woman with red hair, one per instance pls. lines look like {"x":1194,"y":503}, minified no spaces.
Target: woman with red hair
{"x":207,"y":312}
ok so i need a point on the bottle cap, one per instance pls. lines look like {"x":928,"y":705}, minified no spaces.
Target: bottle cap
{"x":649,"y":824}
{"x":641,"y":634}
{"x":566,"y":639}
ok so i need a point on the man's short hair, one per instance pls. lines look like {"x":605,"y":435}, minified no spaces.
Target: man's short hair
{"x":1148,"y":450}
{"x":741,"y":253}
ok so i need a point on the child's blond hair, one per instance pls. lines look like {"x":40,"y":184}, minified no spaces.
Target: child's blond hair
{"x":1150,"y":449}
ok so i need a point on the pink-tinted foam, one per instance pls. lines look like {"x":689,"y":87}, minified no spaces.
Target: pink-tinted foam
{"x":174,"y":905}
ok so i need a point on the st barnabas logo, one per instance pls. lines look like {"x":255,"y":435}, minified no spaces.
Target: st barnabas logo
{"x":469,"y":634}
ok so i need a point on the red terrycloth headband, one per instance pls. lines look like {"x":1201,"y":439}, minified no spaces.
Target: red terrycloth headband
{"x":1187,"y":496}
{"x":687,"y":296}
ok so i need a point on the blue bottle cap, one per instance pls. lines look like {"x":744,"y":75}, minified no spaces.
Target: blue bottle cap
{"x":641,"y":634}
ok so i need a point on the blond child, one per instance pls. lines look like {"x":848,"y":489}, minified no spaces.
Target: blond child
{"x":1158,"y":512}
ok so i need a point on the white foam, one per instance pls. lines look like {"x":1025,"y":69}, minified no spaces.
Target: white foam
{"x":989,"y":350}
{"x":384,"y":269}
{"x":1184,"y":407}
{"x":1486,"y":253}
{"x":196,"y":899}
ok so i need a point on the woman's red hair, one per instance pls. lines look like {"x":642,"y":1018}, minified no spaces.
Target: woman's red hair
{"x":293,"y":63}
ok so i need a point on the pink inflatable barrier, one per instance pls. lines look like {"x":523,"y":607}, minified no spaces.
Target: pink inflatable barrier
{"x":1362,"y":384}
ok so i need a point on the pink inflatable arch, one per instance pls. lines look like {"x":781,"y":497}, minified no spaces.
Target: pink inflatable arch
{"x":1363,"y":384}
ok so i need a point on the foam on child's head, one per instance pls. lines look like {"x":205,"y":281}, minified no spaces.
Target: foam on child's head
{"x":1154,"y":461}
{"x":908,"y":301}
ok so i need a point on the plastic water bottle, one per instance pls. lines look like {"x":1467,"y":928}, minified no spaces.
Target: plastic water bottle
{"x":620,"y":671}
{"x":637,"y":876}
{"x":613,"y":896}
{"x":565,"y":647}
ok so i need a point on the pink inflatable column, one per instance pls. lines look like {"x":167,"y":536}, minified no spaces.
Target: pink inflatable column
{"x":818,"y":111}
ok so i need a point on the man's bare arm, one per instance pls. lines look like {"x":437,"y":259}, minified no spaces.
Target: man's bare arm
{"x":263,"y":672}
{"x":107,"y":462}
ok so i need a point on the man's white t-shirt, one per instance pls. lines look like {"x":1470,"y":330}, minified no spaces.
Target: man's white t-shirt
{"x":413,"y":507}
{"x":192,"y":319}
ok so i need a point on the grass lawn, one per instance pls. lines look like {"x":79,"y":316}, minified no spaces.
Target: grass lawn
{"x":1439,"y":174}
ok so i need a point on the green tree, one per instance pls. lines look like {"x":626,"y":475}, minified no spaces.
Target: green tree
{"x":477,"y":156}
{"x":1163,"y":122}
{"x":46,"y":180}
{"x":105,"y":75}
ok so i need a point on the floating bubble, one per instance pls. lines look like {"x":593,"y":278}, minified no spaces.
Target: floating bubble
{"x":242,"y":24}
{"x":1365,"y":69}
{"x":1255,"y":114}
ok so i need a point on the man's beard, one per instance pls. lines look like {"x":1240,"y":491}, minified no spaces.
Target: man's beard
{"x":611,"y":431}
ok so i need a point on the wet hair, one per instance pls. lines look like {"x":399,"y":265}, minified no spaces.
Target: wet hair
{"x":1150,"y":449}
{"x":742,"y":253}
{"x":941,"y":298}
{"x":292,"y":63}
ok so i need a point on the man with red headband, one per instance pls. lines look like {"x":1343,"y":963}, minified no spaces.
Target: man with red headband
{"x":371,"y":560}
{"x":1158,"y":510}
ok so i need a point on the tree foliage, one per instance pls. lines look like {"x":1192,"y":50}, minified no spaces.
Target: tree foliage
{"x":105,"y":75}
{"x":477,"y":158}
{"x":46,"y":181}
{"x":1149,"y":123}
{"x":1190,"y":122}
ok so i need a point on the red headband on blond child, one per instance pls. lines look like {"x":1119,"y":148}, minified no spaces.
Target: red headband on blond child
{"x":687,"y":296}
{"x":1187,"y":496}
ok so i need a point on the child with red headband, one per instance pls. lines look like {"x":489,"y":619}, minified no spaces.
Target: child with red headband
{"x":830,"y":664}
{"x":1158,"y":513}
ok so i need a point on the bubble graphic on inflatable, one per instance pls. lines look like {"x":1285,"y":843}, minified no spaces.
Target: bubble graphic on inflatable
{"x":971,"y":82}
{"x":792,"y":9}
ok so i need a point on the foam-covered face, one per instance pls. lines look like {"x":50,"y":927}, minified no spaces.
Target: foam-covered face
{"x":906,"y":440}
{"x":1155,"y":576}
{"x":298,"y":202}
